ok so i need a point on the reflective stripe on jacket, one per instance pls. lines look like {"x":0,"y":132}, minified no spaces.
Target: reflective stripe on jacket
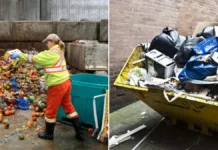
{"x":53,"y":62}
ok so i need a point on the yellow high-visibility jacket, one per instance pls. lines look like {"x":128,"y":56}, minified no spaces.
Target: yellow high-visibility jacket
{"x":53,"y":62}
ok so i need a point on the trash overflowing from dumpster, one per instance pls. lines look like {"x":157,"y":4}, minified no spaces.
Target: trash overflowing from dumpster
{"x":183,"y":65}
{"x":177,"y":77}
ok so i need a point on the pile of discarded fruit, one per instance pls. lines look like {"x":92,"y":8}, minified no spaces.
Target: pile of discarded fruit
{"x":21,"y":87}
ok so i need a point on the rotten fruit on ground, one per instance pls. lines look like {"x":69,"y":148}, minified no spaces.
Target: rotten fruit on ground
{"x":30,"y":124}
{"x":90,"y":130}
{"x":41,"y":114}
{"x":21,"y":81}
{"x":9,"y":112}
{"x":7,"y":67}
{"x":34,"y":118}
{"x":37,"y":109}
{"x":5,"y":121}
{"x":37,"y":129}
{"x":35,"y":103}
{"x":37,"y":114}
{"x":32,"y":98}
{"x":6,"y":125}
{"x":41,"y":105}
{"x":1,"y":117}
{"x":9,"y":107}
{"x":21,"y":136}
{"x":33,"y":114}
{"x":31,"y":107}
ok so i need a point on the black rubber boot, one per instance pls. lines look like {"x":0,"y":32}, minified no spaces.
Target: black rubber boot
{"x":49,"y":131}
{"x":77,"y":126}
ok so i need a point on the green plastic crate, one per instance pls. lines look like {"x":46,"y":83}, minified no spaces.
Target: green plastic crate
{"x":84,"y":88}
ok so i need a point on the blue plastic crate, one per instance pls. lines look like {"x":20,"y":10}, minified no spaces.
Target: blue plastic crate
{"x":84,"y":88}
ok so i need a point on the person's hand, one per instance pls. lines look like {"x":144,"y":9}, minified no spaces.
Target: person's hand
{"x":14,"y":55}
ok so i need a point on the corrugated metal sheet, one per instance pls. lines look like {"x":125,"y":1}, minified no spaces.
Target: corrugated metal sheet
{"x":73,"y":10}
{"x":19,"y":10}
{"x":92,"y":9}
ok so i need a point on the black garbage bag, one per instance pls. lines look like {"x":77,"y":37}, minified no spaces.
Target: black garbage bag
{"x":207,"y":32}
{"x":168,"y":42}
{"x":186,"y":52}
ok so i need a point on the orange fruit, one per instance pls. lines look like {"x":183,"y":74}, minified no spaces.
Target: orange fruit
{"x":6,"y":126}
{"x":1,"y":118}
{"x":9,"y":107}
{"x":33,"y":114}
{"x":30,"y":124}
{"x":7,"y":113}
{"x":90,"y":130}
{"x":36,"y":108}
{"x":34,"y":118}
{"x":41,"y":114}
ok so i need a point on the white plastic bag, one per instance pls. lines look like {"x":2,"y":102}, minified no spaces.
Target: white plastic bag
{"x":137,"y":74}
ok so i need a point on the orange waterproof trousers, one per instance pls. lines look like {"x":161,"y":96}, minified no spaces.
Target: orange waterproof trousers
{"x":59,"y":95}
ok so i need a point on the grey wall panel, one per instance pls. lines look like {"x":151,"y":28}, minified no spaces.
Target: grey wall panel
{"x":94,"y":10}
{"x":74,"y":10}
{"x":31,"y":31}
{"x":4,"y":11}
{"x":19,"y":10}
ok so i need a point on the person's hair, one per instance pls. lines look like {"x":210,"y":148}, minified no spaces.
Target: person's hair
{"x":61,"y":44}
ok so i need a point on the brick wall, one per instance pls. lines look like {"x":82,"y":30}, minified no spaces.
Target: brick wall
{"x":133,"y":22}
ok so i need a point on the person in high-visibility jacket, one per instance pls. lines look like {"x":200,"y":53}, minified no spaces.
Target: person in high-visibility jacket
{"x":57,"y":79}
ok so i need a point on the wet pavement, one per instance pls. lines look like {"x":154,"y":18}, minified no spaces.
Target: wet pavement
{"x":162,"y":138}
{"x":64,"y":138}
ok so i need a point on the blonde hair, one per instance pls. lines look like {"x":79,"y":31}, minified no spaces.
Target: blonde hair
{"x":61,"y":44}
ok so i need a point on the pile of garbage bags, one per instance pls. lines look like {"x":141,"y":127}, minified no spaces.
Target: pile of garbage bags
{"x":188,"y":60}
{"x":21,"y":85}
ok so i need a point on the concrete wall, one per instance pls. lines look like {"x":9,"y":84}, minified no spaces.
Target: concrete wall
{"x":89,"y":55}
{"x":133,"y":22}
{"x":74,"y":10}
{"x":28,"y":35}
{"x":78,"y":30}
{"x":36,"y":31}
{"x":103,"y":31}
